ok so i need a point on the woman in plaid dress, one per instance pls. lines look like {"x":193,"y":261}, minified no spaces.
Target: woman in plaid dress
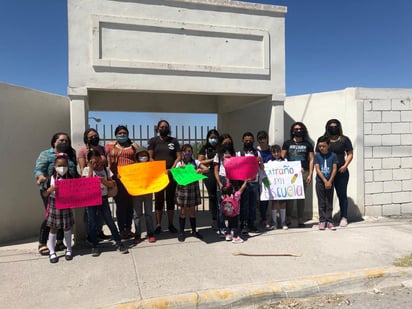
{"x":58,"y":218}
{"x":188,"y":197}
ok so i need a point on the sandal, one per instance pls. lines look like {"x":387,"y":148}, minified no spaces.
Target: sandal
{"x":43,"y":250}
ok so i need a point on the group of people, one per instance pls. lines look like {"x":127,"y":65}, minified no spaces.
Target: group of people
{"x":232,"y":203}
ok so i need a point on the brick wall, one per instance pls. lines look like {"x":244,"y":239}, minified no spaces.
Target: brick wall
{"x":387,"y":128}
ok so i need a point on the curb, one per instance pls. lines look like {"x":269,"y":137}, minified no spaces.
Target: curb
{"x":253,"y":294}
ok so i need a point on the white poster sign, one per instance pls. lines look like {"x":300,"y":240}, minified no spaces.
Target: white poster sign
{"x":281,"y":180}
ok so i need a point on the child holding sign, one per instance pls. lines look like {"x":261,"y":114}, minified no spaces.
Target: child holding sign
{"x":58,"y":218}
{"x":278,"y":205}
{"x":188,"y":197}
{"x":96,"y":168}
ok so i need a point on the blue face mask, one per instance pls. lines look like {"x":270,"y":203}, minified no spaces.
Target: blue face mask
{"x":122,"y":139}
{"x":212,"y":141}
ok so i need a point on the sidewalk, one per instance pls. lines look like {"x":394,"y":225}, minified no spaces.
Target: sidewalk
{"x":206,"y":274}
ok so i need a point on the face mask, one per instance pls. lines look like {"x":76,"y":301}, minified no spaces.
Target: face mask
{"x":62,"y":147}
{"x":143,"y":159}
{"x":94,"y":141}
{"x":98,"y":166}
{"x":298,"y":134}
{"x":333,"y":130}
{"x":248,"y":145}
{"x":122,"y":139}
{"x":187,"y":155}
{"x":227,"y":147}
{"x":61,"y":170}
{"x":212,"y":141}
{"x":164,"y":132}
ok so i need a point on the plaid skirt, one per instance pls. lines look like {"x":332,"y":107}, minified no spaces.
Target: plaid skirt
{"x":58,"y":218}
{"x":189,"y":195}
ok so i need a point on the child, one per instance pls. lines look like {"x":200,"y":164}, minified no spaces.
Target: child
{"x":58,"y":218}
{"x":279,"y":205}
{"x":95,"y":168}
{"x":232,"y":233}
{"x":143,"y":202}
{"x":188,"y":197}
{"x":326,"y":165}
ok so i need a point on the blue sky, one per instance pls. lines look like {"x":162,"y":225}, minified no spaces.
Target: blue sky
{"x":330,"y":45}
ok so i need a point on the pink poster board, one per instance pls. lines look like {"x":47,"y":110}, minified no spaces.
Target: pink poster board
{"x":78,"y":192}
{"x":241,"y":168}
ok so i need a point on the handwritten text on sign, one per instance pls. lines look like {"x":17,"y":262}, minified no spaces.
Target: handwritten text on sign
{"x":284,"y":181}
{"x":78,"y":192}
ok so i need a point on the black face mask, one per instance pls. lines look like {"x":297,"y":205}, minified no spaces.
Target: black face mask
{"x":164,"y":132}
{"x":227,"y":147}
{"x":248,"y":145}
{"x":62,"y":147}
{"x":299,"y":134}
{"x":94,"y":141}
{"x":333,"y":130}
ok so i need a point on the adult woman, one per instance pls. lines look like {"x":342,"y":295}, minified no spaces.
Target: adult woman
{"x":341,"y":145}
{"x":165,"y":147}
{"x":206,"y":155}
{"x":299,"y":148}
{"x":91,"y":142}
{"x":60,"y":143}
{"x":119,"y":153}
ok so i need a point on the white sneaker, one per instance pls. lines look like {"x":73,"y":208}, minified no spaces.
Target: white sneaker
{"x":343,"y":222}
{"x":285,"y":227}
{"x":237,"y":240}
{"x":228,"y":237}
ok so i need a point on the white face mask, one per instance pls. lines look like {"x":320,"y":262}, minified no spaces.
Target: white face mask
{"x":61,"y":170}
{"x":143,"y":159}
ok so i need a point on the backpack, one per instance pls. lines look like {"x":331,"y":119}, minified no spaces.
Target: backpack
{"x":229,"y":207}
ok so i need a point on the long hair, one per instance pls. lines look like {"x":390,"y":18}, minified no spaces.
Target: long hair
{"x":86,"y":133}
{"x":221,"y":149}
{"x":209,"y":133}
{"x":304,"y":129}
{"x":71,"y":153}
{"x":338,"y":125}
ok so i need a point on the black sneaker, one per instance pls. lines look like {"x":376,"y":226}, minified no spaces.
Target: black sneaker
{"x":95,"y":252}
{"x":158,"y":230}
{"x":181,"y":237}
{"x":253,"y":229}
{"x":68,"y":256}
{"x":122,"y":249}
{"x":53,"y":258}
{"x":172,"y":229}
{"x":197,"y":235}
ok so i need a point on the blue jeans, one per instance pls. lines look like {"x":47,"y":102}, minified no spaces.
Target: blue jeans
{"x":248,"y":203}
{"x":341,"y":186}
{"x":93,"y":213}
{"x":220,"y":217}
{"x":140,"y":203}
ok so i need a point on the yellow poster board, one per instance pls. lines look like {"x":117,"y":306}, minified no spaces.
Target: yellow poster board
{"x":144,"y":177}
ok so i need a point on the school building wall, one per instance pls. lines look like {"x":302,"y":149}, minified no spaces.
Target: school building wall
{"x":28,"y":119}
{"x":379,"y":123}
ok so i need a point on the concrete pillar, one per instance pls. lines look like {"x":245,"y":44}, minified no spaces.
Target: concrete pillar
{"x":78,"y":122}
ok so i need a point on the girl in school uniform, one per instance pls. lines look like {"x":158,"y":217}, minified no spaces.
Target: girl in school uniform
{"x":188,"y":197}
{"x":58,"y":218}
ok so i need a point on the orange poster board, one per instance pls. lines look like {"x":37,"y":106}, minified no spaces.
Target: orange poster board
{"x":144,"y":177}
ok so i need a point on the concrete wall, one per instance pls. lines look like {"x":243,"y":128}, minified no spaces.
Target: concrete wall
{"x":28,"y":119}
{"x":198,"y":56}
{"x":379,"y":123}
